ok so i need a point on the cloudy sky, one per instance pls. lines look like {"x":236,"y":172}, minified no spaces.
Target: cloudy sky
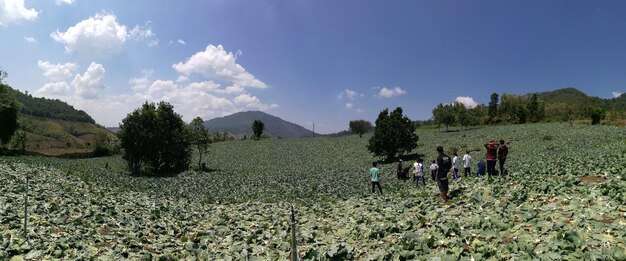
{"x":322,"y":62}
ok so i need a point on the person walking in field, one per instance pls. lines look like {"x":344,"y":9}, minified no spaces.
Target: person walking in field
{"x":492,"y":148}
{"x":503,"y":151}
{"x":445,"y":164}
{"x":467,"y":164}
{"x":456,"y":162}
{"x":375,"y":178}
{"x":418,"y":170}
{"x":399,"y":170}
{"x":433,"y":170}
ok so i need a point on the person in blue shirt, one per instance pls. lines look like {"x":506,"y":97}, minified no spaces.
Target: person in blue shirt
{"x":375,"y":178}
{"x":481,"y":167}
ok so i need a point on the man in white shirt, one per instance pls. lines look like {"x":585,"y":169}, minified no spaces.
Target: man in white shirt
{"x":467,"y":163}
{"x":418,"y":169}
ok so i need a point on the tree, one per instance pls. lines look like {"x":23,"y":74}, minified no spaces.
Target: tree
{"x":360,"y":127}
{"x":19,"y":142}
{"x":444,"y":114}
{"x":394,"y":135}
{"x":462,"y":114}
{"x":478,"y":115}
{"x":102,"y":145}
{"x":597,"y":114}
{"x":493,"y":107}
{"x":9,"y":108}
{"x":533,"y":108}
{"x":155,"y":136}
{"x":257,"y":128}
{"x":199,"y":137}
{"x":512,"y":108}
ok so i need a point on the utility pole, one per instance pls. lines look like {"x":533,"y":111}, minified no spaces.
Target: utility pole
{"x":314,"y":129}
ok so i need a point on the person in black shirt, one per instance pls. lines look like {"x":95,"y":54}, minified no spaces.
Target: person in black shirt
{"x":445,"y":163}
{"x":399,"y":170}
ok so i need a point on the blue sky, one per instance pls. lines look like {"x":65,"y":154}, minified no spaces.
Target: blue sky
{"x":326,"y":62}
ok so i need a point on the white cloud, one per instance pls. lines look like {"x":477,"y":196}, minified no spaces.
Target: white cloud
{"x":69,"y":2}
{"x":617,"y":94}
{"x":142,"y":32}
{"x":141,"y":82}
{"x":161,"y":88}
{"x":180,"y":41}
{"x":153,"y":43}
{"x":57,"y":72}
{"x":55,"y":89}
{"x":217,"y":64}
{"x":349,"y":94}
{"x":467,"y":101}
{"x":210,"y":86}
{"x":30,"y":39}
{"x":101,"y":35}
{"x":90,"y":83}
{"x":13,"y":11}
{"x":349,"y":105}
{"x":251,"y":102}
{"x":359,"y":110}
{"x":182,"y":78}
{"x":390,"y":92}
{"x":201,"y":98}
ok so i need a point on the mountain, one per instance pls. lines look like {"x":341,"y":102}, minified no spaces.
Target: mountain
{"x":51,"y":109}
{"x":569,"y":96}
{"x":576,"y":98}
{"x":53,"y":127}
{"x":240,"y":124}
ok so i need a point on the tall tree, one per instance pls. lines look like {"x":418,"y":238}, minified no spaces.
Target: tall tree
{"x":19,"y":142}
{"x":493,"y":107}
{"x":597,"y":115}
{"x":9,"y":108}
{"x":101,"y":144}
{"x":444,"y":114}
{"x":360,"y":127}
{"x":479,"y":115}
{"x":462,"y":114}
{"x":536,"y":109}
{"x":199,"y":138}
{"x":394,"y":135}
{"x":257,"y":129}
{"x":155,"y":136}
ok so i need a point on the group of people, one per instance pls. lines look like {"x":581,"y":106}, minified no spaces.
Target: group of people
{"x":444,"y":164}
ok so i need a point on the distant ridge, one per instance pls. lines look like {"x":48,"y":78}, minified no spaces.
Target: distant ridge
{"x":240,"y":124}
{"x":576,"y":98}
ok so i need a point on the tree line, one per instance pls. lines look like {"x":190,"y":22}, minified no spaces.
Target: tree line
{"x":50,"y":108}
{"x":508,"y":108}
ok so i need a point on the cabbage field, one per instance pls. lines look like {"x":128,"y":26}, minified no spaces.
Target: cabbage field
{"x":564,"y":198}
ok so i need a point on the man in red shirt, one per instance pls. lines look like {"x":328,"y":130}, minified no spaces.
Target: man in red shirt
{"x":492,"y":148}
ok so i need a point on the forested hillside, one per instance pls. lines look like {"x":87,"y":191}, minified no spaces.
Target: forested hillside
{"x":49,"y":108}
{"x":53,"y":127}
{"x":568,"y":104}
{"x":562,"y":104}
